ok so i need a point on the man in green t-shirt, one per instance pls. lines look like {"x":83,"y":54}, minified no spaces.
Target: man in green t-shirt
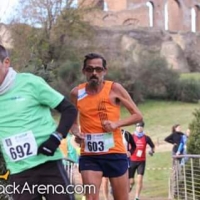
{"x":29,"y":136}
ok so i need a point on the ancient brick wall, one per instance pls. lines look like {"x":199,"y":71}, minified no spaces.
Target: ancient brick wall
{"x":173,"y":15}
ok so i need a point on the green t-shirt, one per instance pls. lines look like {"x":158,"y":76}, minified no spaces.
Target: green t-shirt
{"x":26,"y":122}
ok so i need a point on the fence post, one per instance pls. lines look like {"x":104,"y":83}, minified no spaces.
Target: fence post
{"x":169,"y":191}
{"x":192,"y":173}
{"x":185,"y":184}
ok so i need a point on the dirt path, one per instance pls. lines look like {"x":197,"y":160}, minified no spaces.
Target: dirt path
{"x":162,"y":147}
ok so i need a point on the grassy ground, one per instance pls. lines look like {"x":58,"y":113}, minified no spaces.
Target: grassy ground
{"x":157,"y":174}
{"x":160,"y":116}
{"x":194,"y":76}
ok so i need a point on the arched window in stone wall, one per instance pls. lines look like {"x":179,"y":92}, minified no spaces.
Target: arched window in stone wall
{"x":150,"y":5}
{"x":195,"y":19}
{"x":166,"y":16}
{"x":174,"y":15}
{"x":105,"y":6}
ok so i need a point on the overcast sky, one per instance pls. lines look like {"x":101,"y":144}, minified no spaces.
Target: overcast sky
{"x":6,"y":9}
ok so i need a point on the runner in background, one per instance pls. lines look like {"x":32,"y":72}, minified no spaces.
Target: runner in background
{"x":138,"y":158}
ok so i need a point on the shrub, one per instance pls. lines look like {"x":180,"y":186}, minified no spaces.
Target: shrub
{"x":68,"y":76}
{"x":193,"y":143}
{"x":156,"y":76}
{"x":172,"y":91}
{"x":186,"y":90}
{"x":151,"y":78}
{"x":193,"y":147}
{"x":193,"y":62}
{"x":189,"y":90}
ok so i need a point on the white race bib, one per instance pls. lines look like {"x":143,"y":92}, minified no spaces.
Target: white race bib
{"x":20,"y":146}
{"x":139,"y":153}
{"x":98,"y":142}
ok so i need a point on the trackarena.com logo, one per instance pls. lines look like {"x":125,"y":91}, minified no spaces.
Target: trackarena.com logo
{"x":46,"y":189}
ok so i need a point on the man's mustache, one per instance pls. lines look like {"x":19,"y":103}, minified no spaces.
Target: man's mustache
{"x":93,"y":77}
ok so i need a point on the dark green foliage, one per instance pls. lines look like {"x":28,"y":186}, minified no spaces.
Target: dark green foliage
{"x":150,"y":79}
{"x":193,"y":61}
{"x":188,"y":90}
{"x":192,"y":166}
{"x":68,"y":76}
{"x":193,"y":143}
{"x":172,"y":91}
{"x":155,"y":77}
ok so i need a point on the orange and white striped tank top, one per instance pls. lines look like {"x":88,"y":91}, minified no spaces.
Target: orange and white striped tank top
{"x":93,"y":110}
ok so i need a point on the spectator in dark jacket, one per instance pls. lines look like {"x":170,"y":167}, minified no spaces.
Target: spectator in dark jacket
{"x":175,"y":138}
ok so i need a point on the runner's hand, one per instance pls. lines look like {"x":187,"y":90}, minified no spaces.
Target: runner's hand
{"x":128,"y":154}
{"x":109,"y":125}
{"x":151,"y":152}
{"x":79,"y":137}
{"x":49,"y":147}
{"x":75,"y":130}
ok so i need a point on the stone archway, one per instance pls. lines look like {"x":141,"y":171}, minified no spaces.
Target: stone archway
{"x":175,"y":15}
{"x":197,"y":18}
{"x":193,"y":20}
{"x":131,"y":21}
{"x":150,"y":5}
{"x":111,"y":18}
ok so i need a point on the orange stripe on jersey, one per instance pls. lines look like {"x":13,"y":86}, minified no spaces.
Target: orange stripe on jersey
{"x":93,"y":110}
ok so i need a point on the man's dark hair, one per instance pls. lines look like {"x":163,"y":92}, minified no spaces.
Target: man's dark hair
{"x":92,"y":56}
{"x":3,"y":53}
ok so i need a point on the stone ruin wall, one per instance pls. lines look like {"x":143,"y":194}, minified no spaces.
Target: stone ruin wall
{"x":136,"y":12}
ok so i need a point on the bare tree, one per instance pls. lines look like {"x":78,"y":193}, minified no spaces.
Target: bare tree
{"x":55,"y":26}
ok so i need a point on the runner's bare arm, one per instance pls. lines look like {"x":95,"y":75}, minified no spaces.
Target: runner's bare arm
{"x":119,"y":95}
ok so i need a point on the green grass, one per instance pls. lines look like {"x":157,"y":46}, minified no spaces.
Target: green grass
{"x":160,"y":116}
{"x":157,"y":174}
{"x":194,"y":76}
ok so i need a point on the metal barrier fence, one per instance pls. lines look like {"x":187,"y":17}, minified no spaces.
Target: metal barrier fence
{"x":71,"y":168}
{"x":185,"y":178}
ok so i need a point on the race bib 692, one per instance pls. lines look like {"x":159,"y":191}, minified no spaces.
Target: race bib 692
{"x":20,"y":146}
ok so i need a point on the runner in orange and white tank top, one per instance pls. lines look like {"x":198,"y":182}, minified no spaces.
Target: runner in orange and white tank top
{"x":102,"y":150}
{"x":94,"y":110}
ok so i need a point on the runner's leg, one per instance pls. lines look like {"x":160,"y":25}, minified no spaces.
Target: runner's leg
{"x":120,"y":187}
{"x":90,"y":177}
